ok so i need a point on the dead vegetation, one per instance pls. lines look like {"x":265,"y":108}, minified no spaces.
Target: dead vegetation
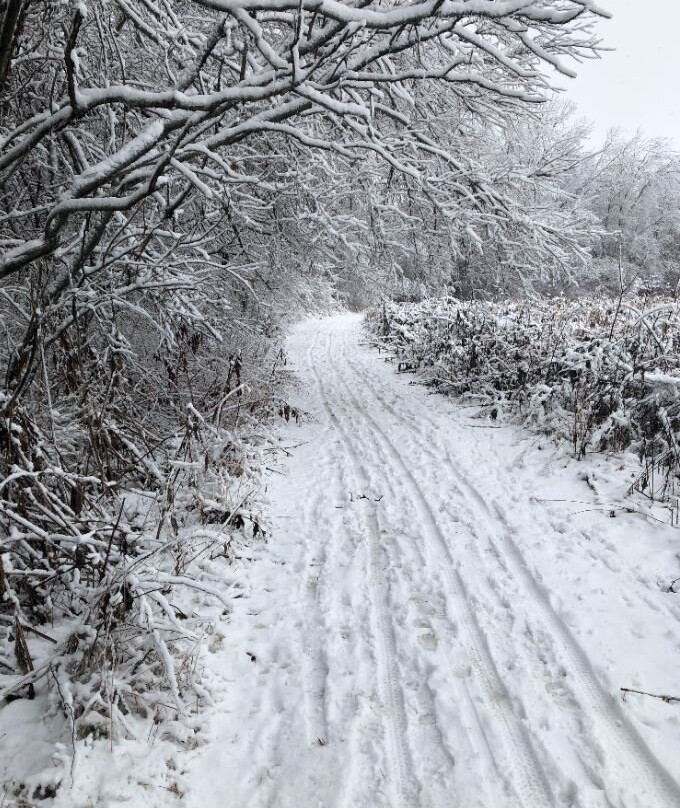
{"x":127,"y":480}
{"x":602,"y":375}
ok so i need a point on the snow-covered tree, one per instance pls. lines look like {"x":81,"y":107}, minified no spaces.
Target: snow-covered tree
{"x":173,"y":177}
{"x":633,"y":187}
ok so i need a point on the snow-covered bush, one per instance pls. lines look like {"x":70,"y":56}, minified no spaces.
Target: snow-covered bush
{"x":121,"y":508}
{"x":601,"y":374}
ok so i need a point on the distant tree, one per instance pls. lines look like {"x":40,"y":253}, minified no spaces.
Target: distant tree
{"x":633,"y":187}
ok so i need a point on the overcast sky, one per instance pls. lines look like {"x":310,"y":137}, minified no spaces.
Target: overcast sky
{"x":638,"y":85}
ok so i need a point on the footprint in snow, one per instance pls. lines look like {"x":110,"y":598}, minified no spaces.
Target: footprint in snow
{"x":428,"y":641}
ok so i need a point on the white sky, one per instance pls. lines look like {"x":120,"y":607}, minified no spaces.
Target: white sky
{"x":638,"y":85}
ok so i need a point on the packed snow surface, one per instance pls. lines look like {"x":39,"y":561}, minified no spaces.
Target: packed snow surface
{"x":430,"y":631}
{"x":431,"y":627}
{"x":444,"y":615}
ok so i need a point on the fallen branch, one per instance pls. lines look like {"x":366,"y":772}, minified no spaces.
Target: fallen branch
{"x":667,"y":699}
{"x":27,"y":679}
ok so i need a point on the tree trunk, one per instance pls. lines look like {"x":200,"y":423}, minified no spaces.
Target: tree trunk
{"x":8,"y":29}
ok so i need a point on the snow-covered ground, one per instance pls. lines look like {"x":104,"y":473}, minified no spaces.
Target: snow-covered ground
{"x":443,"y":615}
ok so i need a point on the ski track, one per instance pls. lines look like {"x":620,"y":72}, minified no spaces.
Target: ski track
{"x":627,"y":751}
{"x":530,"y":780}
{"x":428,"y":650}
{"x":403,"y":780}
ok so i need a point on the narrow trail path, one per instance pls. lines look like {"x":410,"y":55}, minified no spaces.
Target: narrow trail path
{"x":405,"y":650}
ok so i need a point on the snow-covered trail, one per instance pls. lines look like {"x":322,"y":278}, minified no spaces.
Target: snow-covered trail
{"x":400,"y":647}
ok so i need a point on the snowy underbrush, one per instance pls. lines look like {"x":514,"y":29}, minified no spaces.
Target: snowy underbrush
{"x":602,"y":375}
{"x":122,"y":508}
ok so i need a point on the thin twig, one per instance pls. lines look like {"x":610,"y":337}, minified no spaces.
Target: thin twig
{"x":667,"y":699}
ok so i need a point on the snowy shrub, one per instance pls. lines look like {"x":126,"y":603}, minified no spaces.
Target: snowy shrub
{"x":601,"y":374}
{"x":120,"y":510}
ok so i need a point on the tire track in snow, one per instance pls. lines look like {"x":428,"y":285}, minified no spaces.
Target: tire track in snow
{"x":356,"y":767}
{"x":425,"y":733}
{"x":612,"y":728}
{"x":436,"y":760}
{"x":314,"y":656}
{"x":326,"y":552}
{"x":554,"y":518}
{"x":627,"y":750}
{"x":356,"y":722}
{"x":488,"y":778}
{"x":528,"y":776}
{"x":311,"y":635}
{"x":403,"y":779}
{"x":588,"y":749}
